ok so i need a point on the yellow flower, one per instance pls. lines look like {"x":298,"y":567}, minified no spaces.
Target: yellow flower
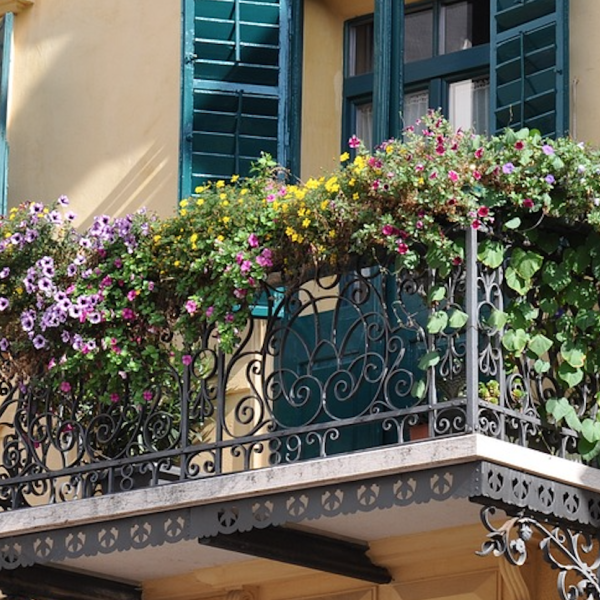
{"x":200,"y":189}
{"x":306,"y":223}
{"x":300,"y":194}
{"x":352,"y":182}
{"x":157,"y":237}
{"x":225,"y":202}
{"x":19,"y":291}
{"x":220,"y":183}
{"x":226,"y":220}
{"x":389,"y":149}
{"x":344,"y":157}
{"x":183,"y":212}
{"x":324,"y":204}
{"x":355,"y":196}
{"x":193,"y":237}
{"x":183,"y":203}
{"x":223,"y":196}
{"x":176,"y":263}
{"x":359,"y":163}
{"x":332,"y":185}
{"x":243,"y":191}
{"x":234,"y":178}
{"x":200,"y":201}
{"x":312,"y":184}
{"x":220,"y":238}
{"x":332,"y":233}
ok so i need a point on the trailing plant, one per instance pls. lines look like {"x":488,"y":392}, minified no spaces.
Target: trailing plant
{"x":123,"y":306}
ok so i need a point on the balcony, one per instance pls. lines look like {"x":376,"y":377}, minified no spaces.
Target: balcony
{"x":332,"y":364}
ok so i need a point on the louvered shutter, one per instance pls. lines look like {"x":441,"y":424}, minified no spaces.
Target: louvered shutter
{"x":237,"y":107}
{"x":529,"y":65}
{"x":6,"y":24}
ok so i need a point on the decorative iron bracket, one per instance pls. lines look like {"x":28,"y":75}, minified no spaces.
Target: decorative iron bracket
{"x":572,"y":553}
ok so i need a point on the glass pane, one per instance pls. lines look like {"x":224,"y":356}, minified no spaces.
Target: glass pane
{"x":364,"y":123}
{"x":416,"y":105}
{"x":469,"y":104}
{"x":418,"y":35}
{"x":456,"y":27}
{"x":360,"y":52}
{"x":464,"y":25}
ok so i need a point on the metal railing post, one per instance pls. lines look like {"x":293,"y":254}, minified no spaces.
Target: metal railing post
{"x":472,"y":349}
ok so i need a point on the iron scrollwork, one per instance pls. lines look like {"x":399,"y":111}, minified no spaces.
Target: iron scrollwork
{"x":574,"y":554}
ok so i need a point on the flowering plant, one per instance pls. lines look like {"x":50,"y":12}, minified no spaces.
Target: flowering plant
{"x":104,"y":306}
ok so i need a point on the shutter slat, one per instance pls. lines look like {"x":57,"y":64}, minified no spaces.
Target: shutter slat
{"x":529,"y":65}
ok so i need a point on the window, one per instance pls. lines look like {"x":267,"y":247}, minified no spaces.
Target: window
{"x":236,"y":87}
{"x":487,"y":65}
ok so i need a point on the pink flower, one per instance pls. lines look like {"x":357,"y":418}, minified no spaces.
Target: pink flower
{"x":547,"y":150}
{"x":186,"y":359}
{"x":453,"y":175}
{"x":476,"y":175}
{"x":527,"y":203}
{"x":191,"y":306}
{"x":354,"y":142}
{"x":131,"y":295}
{"x":402,"y":248}
{"x":476,"y":224}
{"x":519,"y":145}
{"x":375,"y":185}
{"x":147,"y":395}
{"x":265,"y":258}
{"x":127,"y":314}
{"x":246,"y":266}
{"x":209,"y":312}
{"x":229,"y":318}
{"x":440,"y":150}
{"x":479,"y":153}
{"x":457,"y":260}
{"x":419,"y":225}
{"x":483,"y":211}
{"x":114,"y":397}
{"x":118,"y":263}
{"x":419,"y":167}
{"x":253,"y":240}
{"x":65,"y":387}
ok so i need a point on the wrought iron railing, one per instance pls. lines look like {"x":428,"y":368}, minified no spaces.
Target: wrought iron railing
{"x":338,"y":363}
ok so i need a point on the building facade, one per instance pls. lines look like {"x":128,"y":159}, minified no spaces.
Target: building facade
{"x":120,"y":104}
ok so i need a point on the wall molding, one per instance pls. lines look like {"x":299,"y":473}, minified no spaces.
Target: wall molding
{"x":14,"y":6}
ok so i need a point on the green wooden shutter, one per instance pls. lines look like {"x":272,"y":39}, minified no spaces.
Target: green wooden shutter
{"x":529,"y":65}
{"x":236,"y":106}
{"x":6,"y":25}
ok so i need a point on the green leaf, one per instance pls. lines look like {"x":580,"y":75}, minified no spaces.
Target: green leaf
{"x":539,"y":344}
{"x":429,"y":360}
{"x":573,"y":354}
{"x":437,"y":293}
{"x":491,"y":253}
{"x":516,"y":282}
{"x":570,"y":375}
{"x":437,"y":322}
{"x":590,"y":430}
{"x":513,"y":223}
{"x":515,"y":340}
{"x":558,"y":408}
{"x":458,"y":319}
{"x":497,"y":319}
{"x":419,"y":389}
{"x":556,"y":276}
{"x":526,"y":263}
{"x":541,"y":366}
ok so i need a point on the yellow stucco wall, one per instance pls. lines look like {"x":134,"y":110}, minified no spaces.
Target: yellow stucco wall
{"x":585,"y":70}
{"x":439,"y":565}
{"x":94,"y":104}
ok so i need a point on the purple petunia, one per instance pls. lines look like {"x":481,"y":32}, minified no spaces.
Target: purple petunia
{"x":4,"y":303}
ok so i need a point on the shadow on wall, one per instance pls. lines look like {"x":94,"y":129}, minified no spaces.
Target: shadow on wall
{"x":94,"y":105}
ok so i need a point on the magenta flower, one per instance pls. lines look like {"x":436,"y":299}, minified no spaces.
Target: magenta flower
{"x":476,"y":224}
{"x":131,"y":295}
{"x":528,"y":203}
{"x":519,"y":145}
{"x":354,"y":142}
{"x":453,"y":176}
{"x":479,"y":153}
{"x":388,"y":230}
{"x":402,"y":248}
{"x":265,"y":258}
{"x":65,"y":387}
{"x":191,"y":306}
{"x":127,"y":314}
{"x":483,"y":211}
{"x":114,"y":397}
{"x":209,"y":311}
{"x":147,"y":395}
{"x":253,"y":240}
{"x":186,"y":359}
{"x":246,"y":266}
